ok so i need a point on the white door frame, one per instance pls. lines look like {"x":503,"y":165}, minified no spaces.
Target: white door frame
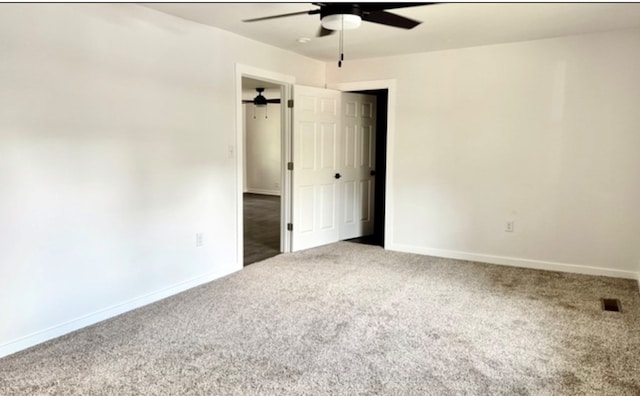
{"x":286,"y":82}
{"x":389,"y":85}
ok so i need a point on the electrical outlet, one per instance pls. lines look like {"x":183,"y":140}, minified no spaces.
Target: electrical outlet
{"x":199,"y":239}
{"x":508,"y":226}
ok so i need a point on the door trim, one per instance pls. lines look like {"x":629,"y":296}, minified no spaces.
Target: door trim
{"x":286,"y":82}
{"x":389,"y":85}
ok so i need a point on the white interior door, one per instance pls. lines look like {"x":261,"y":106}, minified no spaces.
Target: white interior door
{"x":316,"y":145}
{"x":357,"y":184}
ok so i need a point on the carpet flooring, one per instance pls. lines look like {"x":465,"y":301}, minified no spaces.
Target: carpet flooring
{"x":353,"y":319}
{"x":261,"y":227}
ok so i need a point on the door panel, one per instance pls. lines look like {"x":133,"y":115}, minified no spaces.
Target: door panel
{"x":349,"y":146}
{"x":366,"y":194}
{"x":306,"y":200}
{"x":316,"y":150}
{"x":307,"y":145}
{"x":328,"y":146}
{"x":358,"y":153}
{"x":349,"y":194}
{"x":366,"y":148}
{"x":328,"y":206}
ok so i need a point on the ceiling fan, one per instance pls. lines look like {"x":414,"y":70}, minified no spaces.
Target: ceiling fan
{"x":339,"y":16}
{"x":261,"y":100}
{"x":346,"y":16}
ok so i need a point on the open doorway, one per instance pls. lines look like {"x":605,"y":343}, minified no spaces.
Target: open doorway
{"x":262,"y":170}
{"x":380,"y":168}
{"x":335,"y":166}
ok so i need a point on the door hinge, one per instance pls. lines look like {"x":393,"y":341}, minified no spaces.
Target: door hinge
{"x":290,"y":103}
{"x":289,"y":226}
{"x":290,"y":166}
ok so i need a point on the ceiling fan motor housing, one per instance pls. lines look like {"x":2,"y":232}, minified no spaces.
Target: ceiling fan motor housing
{"x":260,"y":100}
{"x":337,"y":8}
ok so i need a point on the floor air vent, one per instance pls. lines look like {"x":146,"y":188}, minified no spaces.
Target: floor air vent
{"x":611,"y":305}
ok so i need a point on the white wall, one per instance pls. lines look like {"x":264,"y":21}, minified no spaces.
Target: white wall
{"x":544,"y":133}
{"x":262,"y":145}
{"x":115,"y":127}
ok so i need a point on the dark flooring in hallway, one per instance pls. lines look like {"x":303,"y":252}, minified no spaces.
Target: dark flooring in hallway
{"x":261,"y":227}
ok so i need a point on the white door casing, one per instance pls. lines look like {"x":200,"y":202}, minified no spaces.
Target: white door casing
{"x":316,"y":145}
{"x":357,"y":162}
{"x":286,"y":82}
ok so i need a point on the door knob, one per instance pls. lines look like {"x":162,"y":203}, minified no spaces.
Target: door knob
{"x":337,"y":176}
{"x":372,"y":173}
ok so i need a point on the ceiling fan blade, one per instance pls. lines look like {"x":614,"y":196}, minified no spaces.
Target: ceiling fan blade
{"x":311,"y":12}
{"x":273,"y":100}
{"x":389,"y":19}
{"x":324,"y":32}
{"x":247,"y":101}
{"x":390,"y":6}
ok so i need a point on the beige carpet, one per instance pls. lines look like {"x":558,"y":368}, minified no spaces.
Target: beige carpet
{"x":349,"y":319}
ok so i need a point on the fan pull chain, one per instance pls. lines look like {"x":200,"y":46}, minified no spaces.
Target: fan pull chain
{"x":341,"y":55}
{"x":254,"y":112}
{"x":265,"y":112}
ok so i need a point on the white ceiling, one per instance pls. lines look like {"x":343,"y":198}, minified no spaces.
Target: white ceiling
{"x":445,"y":26}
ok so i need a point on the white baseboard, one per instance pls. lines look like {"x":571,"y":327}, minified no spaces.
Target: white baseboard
{"x":106,"y":313}
{"x":516,"y":262}
{"x":263,"y":192}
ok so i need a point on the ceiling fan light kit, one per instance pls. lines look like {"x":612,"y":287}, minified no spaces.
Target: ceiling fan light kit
{"x":341,"y":22}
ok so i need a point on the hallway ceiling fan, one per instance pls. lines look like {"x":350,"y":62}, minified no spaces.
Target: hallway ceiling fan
{"x":260,"y":100}
{"x":346,"y":16}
